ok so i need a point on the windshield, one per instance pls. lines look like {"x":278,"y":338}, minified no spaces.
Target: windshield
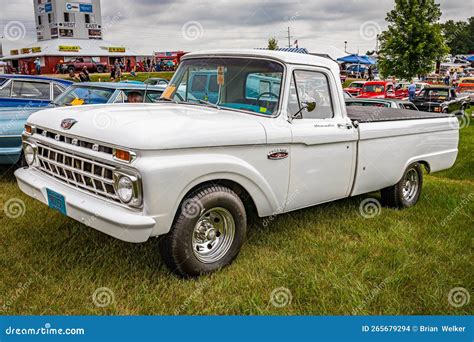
{"x":244,"y":84}
{"x":2,"y":81}
{"x":374,"y":88}
{"x":79,"y":95}
{"x":356,"y":85}
{"x":436,"y":93}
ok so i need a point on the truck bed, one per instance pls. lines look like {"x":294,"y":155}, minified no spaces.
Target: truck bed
{"x":380,"y":114}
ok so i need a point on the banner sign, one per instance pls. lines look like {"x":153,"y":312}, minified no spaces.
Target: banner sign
{"x":77,"y":7}
{"x":237,"y":328}
{"x":66,"y":48}
{"x":14,"y":52}
{"x":25,"y":51}
{"x":45,"y":8}
{"x":36,"y":49}
{"x":116,"y":49}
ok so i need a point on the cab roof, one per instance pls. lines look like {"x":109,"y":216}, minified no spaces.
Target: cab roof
{"x":282,"y":56}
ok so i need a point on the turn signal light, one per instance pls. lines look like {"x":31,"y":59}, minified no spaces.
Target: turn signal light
{"x":123,"y":155}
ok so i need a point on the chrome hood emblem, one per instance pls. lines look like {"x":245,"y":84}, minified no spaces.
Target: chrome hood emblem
{"x":67,"y":123}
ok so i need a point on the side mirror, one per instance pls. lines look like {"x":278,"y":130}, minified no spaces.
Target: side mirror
{"x":309,"y":106}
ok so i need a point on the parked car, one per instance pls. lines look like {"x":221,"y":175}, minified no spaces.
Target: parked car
{"x":21,"y":95}
{"x":156,"y":81}
{"x":377,"y":89}
{"x":442,"y":99}
{"x":13,"y":119}
{"x":32,"y":91}
{"x":466,"y":87}
{"x":191,"y":170}
{"x":80,"y":62}
{"x":347,"y":95}
{"x":356,"y":69}
{"x":355,"y":88}
{"x":107,"y":92}
{"x":386,"y":103}
{"x":401,"y":89}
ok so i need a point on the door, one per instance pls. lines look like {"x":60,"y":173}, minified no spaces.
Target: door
{"x":323,"y":148}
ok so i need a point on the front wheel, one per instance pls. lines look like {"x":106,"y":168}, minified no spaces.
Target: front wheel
{"x":207,"y":233}
{"x":407,"y":191}
{"x":100,"y":69}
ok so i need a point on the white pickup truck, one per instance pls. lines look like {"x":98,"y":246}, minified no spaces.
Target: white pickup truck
{"x":235,"y":131}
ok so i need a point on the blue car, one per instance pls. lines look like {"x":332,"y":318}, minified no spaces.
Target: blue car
{"x":12,"y":119}
{"x":20,"y":96}
{"x":31,"y":91}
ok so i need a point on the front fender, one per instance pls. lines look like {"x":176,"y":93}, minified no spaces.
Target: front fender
{"x":167,"y":180}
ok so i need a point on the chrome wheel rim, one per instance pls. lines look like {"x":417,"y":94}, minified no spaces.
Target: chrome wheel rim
{"x":410,"y":185}
{"x":213,"y":235}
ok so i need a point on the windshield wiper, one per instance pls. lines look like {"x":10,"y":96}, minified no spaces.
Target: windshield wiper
{"x":210,"y":104}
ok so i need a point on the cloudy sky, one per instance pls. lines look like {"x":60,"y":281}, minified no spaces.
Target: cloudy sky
{"x":159,"y":25}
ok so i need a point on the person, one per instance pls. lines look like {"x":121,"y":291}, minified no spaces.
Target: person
{"x":455,"y":77}
{"x":412,"y":91}
{"x":133,"y":72}
{"x":84,"y":75}
{"x":371,"y":73}
{"x":118,"y":70}
{"x":128,"y":67}
{"x":134,"y":97}
{"x":73,"y":76}
{"x":37,"y":66}
{"x":447,"y":77}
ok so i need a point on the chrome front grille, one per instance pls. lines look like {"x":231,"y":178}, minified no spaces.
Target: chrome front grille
{"x":61,"y":137}
{"x":83,"y":173}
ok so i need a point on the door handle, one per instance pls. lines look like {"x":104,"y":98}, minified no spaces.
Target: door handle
{"x":346,"y":126}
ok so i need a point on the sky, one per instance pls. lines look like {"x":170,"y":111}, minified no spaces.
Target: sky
{"x":145,"y":26}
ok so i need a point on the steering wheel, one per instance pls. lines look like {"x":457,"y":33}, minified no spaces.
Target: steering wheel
{"x":267,"y":93}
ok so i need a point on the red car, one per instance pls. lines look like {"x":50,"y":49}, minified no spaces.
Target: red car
{"x":377,"y":89}
{"x":80,"y":62}
{"x":355,"y":87}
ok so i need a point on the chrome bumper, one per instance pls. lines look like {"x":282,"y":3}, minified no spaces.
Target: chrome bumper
{"x":107,"y":217}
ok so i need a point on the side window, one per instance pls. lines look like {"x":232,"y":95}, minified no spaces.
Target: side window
{"x":213,"y":86}
{"x":31,"y":90}
{"x":57,"y":90}
{"x":6,"y":91}
{"x":313,"y":86}
{"x":199,"y":83}
{"x":389,"y":88}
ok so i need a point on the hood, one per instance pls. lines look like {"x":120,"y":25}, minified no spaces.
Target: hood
{"x":155,"y":126}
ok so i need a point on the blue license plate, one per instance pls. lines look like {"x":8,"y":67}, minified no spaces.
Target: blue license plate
{"x":56,"y":201}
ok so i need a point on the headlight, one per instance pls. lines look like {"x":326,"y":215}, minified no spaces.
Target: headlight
{"x":128,"y":188}
{"x":30,"y":153}
{"x":125,"y":189}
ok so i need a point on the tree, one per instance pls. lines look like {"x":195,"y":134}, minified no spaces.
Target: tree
{"x":459,"y":36}
{"x":413,"y":41}
{"x":272,"y":44}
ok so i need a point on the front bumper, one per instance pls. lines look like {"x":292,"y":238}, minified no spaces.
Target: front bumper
{"x":109,"y":218}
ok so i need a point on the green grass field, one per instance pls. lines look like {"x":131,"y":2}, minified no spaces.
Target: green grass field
{"x":323,"y":260}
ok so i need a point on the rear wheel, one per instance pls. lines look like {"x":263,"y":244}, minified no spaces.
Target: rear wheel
{"x":407,"y":191}
{"x":100,"y":69}
{"x":207,"y":234}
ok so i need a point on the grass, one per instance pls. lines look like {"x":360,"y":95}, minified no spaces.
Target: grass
{"x":330,"y":258}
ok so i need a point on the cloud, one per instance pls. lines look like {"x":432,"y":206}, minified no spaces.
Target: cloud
{"x":151,"y":25}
